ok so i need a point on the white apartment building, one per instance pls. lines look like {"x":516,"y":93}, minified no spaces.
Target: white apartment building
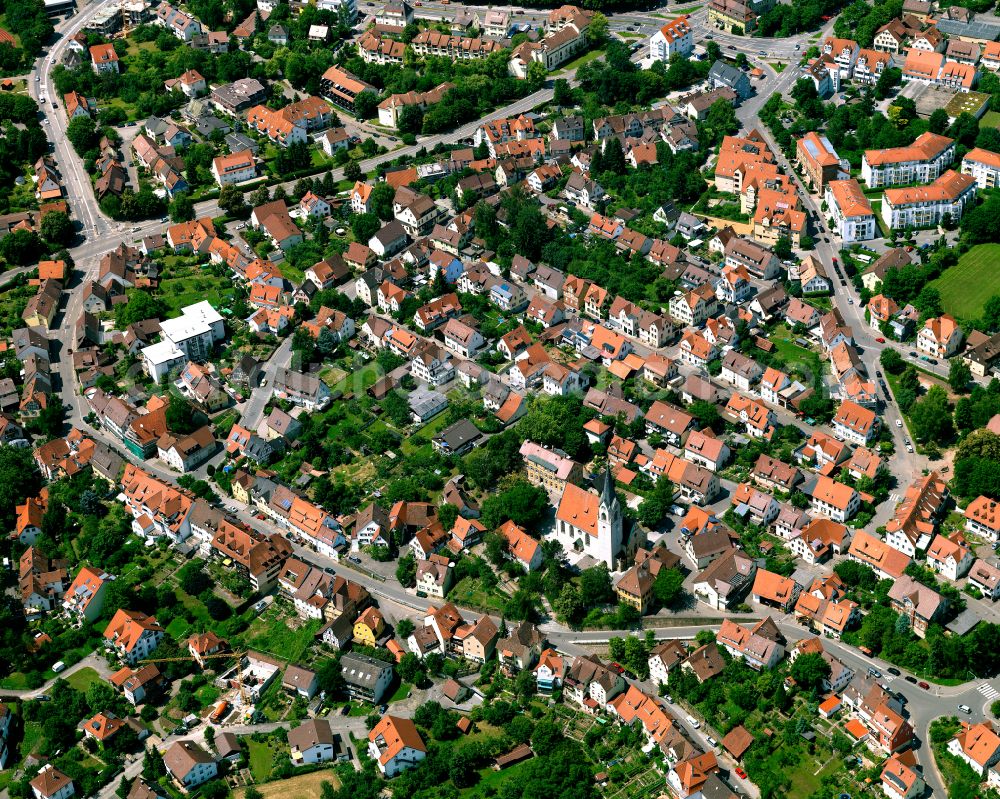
{"x":674,"y":38}
{"x":921,"y":162}
{"x":189,"y":337}
{"x":926,"y":206}
{"x":984,"y":166}
{"x":853,"y":218}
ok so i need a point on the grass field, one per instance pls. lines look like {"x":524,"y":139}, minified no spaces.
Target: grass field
{"x":966,"y":286}
{"x":261,"y":759}
{"x":991,"y":119}
{"x":307,"y":786}
{"x":576,"y":63}
{"x":83,"y":679}
{"x":274,"y":636}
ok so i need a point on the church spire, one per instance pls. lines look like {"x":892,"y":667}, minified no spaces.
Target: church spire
{"x":608,"y":497}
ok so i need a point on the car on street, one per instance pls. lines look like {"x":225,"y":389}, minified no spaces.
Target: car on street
{"x":910,"y":678}
{"x":881,"y":339}
{"x":761,"y":53}
{"x":923,"y":685}
{"x":741,"y":773}
{"x":912,"y":354}
{"x":850,"y":300}
{"x":874,"y":673}
{"x":669,"y":698}
{"x":899,"y":423}
{"x":965,"y":709}
{"x":894,"y":671}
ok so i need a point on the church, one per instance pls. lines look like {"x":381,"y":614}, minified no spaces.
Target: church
{"x":590,"y":523}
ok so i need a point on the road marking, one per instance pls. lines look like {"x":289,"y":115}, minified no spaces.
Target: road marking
{"x":988,"y":691}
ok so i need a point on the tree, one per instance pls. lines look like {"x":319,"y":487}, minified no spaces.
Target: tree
{"x":406,"y":570}
{"x":536,"y":75}
{"x":930,"y":417}
{"x":595,"y":585}
{"x":330,"y":677}
{"x":181,"y":417}
{"x":597,"y":31}
{"x":892,"y":361}
{"x":141,"y":305}
{"x":365,"y":104}
{"x":938,"y":121}
{"x":57,"y":229}
{"x":232,"y":200}
{"x":810,"y":670}
{"x":568,"y":604}
{"x":380,"y":200}
{"x":720,"y":121}
{"x":562,"y":93}
{"x":928,"y":302}
{"x":364,"y":226}
{"x":353,"y":171}
{"x":959,"y":376}
{"x":182,"y":208}
{"x":20,"y":248}
{"x":668,"y":586}
{"x":82,"y":134}
{"x":404,"y":628}
{"x":411,"y":119}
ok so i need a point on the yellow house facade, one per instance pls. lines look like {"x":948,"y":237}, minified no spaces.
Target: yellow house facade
{"x":369,"y":627}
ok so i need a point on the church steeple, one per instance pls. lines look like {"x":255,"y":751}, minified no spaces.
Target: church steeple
{"x":608,"y":496}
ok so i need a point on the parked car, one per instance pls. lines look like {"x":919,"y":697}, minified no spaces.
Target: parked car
{"x":910,"y":678}
{"x":739,"y":771}
{"x":912,"y":354}
{"x":894,"y":671}
{"x":881,"y":340}
{"x":923,"y":685}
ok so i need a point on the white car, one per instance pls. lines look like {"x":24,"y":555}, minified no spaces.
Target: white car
{"x":899,"y":423}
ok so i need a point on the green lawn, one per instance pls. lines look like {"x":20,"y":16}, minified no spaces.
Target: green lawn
{"x":401,"y":693}
{"x":803,"y":361}
{"x":83,"y":679}
{"x":426,"y":433}
{"x":490,"y":779}
{"x":261,"y":759}
{"x":178,"y":629}
{"x":271,"y":634}
{"x":358,"y":380}
{"x":16,"y":681}
{"x":469,"y":591}
{"x":966,"y":286}
{"x":991,"y":119}
{"x":32,"y":737}
{"x":576,"y":63}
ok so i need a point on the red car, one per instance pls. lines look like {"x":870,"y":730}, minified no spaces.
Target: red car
{"x":741,"y":773}
{"x":618,"y":667}
{"x":881,"y":340}
{"x":924,"y":685}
